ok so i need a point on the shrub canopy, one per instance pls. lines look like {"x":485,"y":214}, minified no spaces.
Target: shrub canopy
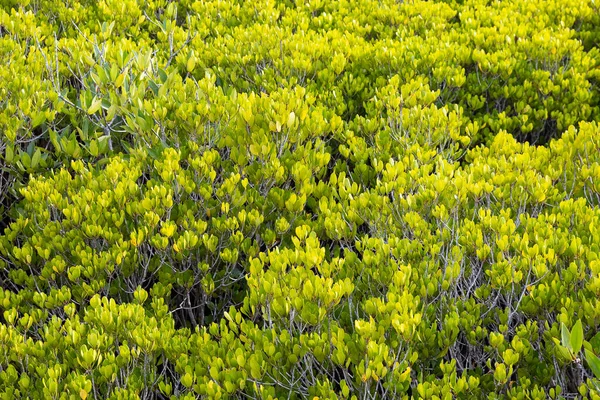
{"x":280,"y":199}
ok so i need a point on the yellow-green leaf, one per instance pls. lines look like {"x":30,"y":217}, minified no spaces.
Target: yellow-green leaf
{"x":96,"y":104}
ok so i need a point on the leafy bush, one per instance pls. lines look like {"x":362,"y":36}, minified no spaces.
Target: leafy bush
{"x":349,"y":199}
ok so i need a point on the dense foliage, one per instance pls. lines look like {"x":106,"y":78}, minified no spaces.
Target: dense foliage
{"x":283,"y":199}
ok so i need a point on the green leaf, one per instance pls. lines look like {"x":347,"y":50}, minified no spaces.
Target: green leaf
{"x":84,"y":130}
{"x":55,"y":141}
{"x":214,"y":373}
{"x":562,"y":350}
{"x":154,"y":87}
{"x":565,"y":337}
{"x":96,"y":103}
{"x":9,"y":154}
{"x":69,"y":146}
{"x":345,"y":388}
{"x":240,"y":359}
{"x":191,"y":64}
{"x":187,"y":380}
{"x":163,"y":75}
{"x":35,"y":160}
{"x":39,"y":119}
{"x":594,"y":362}
{"x":26,"y":159}
{"x":595,"y":342}
{"x":94,"y":148}
{"x":255,"y":369}
{"x":103,"y":144}
{"x":577,"y":337}
{"x":226,"y":314}
{"x":119,"y":80}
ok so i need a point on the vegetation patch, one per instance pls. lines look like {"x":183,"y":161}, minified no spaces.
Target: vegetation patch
{"x":348,"y":199}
